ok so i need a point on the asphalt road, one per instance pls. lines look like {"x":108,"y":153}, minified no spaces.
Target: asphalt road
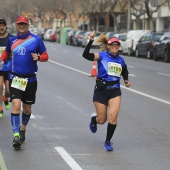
{"x":58,"y":136}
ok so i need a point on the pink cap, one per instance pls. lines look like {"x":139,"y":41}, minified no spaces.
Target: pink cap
{"x":113,"y":39}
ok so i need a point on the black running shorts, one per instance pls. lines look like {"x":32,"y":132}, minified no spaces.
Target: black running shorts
{"x":4,"y":74}
{"x":28,"y":96}
{"x":105,"y":95}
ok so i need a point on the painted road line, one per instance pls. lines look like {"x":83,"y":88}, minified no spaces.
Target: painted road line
{"x":130,"y":66}
{"x":69,"y":67}
{"x":130,"y":89}
{"x":146,"y":95}
{"x":164,"y":74}
{"x":68,"y":159}
{"x":132,"y":75}
{"x":2,"y":162}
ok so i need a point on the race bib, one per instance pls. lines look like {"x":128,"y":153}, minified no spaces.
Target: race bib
{"x":19,"y":83}
{"x":2,"y":50}
{"x":114,"y":69}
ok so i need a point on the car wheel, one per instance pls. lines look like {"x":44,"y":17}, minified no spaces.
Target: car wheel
{"x":136,"y":53}
{"x":155,"y":55}
{"x":148,"y":54}
{"x":166,"y":57}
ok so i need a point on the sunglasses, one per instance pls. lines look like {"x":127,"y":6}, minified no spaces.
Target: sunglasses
{"x":114,"y":44}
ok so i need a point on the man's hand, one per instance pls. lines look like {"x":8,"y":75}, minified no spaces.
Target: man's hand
{"x":35,"y":56}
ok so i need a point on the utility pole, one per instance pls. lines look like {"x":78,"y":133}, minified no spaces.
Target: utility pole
{"x":129,"y":16}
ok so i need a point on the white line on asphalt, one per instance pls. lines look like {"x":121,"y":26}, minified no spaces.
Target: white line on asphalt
{"x":146,"y":95}
{"x":2,"y":162}
{"x":68,"y":159}
{"x":131,"y":66}
{"x":132,"y":75}
{"x":69,"y":67}
{"x":130,"y":89}
{"x":164,"y":74}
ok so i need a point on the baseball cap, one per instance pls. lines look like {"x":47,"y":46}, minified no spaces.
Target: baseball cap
{"x":113,"y":40}
{"x":21,"y":19}
{"x":2,"y":21}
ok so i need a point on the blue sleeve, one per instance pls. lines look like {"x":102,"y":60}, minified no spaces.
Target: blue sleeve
{"x":8,"y":47}
{"x":42,"y":47}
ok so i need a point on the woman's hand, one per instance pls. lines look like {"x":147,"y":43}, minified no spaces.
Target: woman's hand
{"x":92,"y":35}
{"x":127,"y":83}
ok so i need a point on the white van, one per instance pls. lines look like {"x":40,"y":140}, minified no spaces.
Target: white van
{"x":129,"y":46}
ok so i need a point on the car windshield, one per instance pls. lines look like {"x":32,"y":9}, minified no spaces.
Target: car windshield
{"x":156,"y":37}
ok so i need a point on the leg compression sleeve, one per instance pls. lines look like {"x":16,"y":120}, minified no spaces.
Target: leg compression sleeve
{"x":25,"y":118}
{"x":110,"y":131}
{"x":15,"y":122}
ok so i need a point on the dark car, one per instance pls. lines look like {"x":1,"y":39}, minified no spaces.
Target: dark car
{"x":146,"y":44}
{"x":162,"y":48}
{"x":77,"y":38}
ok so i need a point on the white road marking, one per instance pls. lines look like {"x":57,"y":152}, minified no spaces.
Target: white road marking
{"x":132,"y":75}
{"x":68,"y":159}
{"x":164,"y":74}
{"x":2,"y":162}
{"x":69,"y":67}
{"x":130,"y":89}
{"x":146,"y":95}
{"x":130,"y":66}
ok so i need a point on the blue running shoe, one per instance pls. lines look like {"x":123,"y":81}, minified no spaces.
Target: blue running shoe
{"x":108,"y":146}
{"x":93,"y":127}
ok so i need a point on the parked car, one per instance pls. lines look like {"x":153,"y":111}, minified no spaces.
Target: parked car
{"x":47,"y":34}
{"x":122,"y":38}
{"x":53,"y":36}
{"x":95,"y":43}
{"x":69,"y":37}
{"x":85,"y":39}
{"x":77,"y":38}
{"x":146,"y":44}
{"x":162,"y":48}
{"x":129,"y":46}
{"x":110,"y":34}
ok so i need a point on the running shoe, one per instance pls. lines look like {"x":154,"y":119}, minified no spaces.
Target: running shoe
{"x":6,"y":103}
{"x":93,"y":126}
{"x":1,"y":113}
{"x":108,"y":146}
{"x":16,"y":142}
{"x":22,"y":136}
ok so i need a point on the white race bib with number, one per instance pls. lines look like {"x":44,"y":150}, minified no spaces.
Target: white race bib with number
{"x":19,"y":83}
{"x":2,"y":50}
{"x":114,"y":69}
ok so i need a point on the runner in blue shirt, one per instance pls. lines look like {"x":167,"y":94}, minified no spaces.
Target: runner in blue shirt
{"x":107,"y":92}
{"x":26,"y":50}
{"x":4,"y":35}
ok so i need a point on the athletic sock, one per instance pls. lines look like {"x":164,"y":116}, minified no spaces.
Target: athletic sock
{"x":94,"y":119}
{"x":110,"y":131}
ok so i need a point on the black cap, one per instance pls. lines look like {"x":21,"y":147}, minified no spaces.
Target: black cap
{"x":2,"y":21}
